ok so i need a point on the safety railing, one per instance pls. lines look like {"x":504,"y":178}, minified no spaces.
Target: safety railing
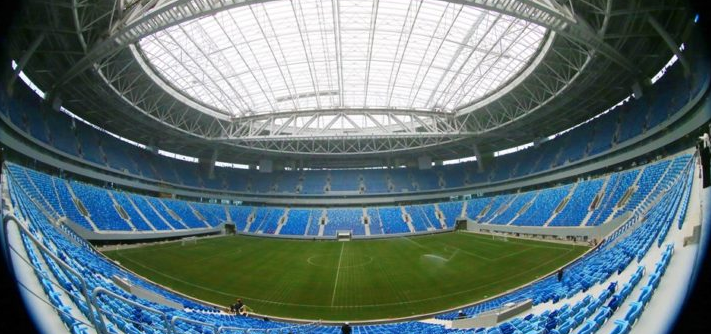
{"x":116,"y":314}
{"x":175,"y":321}
{"x":83,"y":287}
{"x":296,"y":329}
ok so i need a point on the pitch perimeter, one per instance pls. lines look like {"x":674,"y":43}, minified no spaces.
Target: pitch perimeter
{"x":357,"y":280}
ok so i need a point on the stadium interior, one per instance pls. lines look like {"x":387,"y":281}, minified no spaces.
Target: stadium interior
{"x":390,"y":166}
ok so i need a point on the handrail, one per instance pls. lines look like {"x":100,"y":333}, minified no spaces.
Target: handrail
{"x":192,"y":321}
{"x":222,"y":329}
{"x":101,"y":290}
{"x":84,"y":287}
{"x":639,"y":215}
{"x":91,"y":299}
{"x":288,"y":329}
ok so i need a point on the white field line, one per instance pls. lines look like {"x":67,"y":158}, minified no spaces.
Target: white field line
{"x":338,"y":272}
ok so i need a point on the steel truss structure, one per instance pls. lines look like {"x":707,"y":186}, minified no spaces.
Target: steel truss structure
{"x":594,"y":51}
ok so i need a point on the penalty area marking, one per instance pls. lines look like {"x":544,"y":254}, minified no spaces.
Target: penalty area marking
{"x":456,"y":250}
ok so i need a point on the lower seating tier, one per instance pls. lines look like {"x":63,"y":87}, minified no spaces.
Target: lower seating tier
{"x":590,"y":202}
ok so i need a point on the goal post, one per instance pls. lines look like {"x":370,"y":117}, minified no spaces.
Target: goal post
{"x":499,"y":237}
{"x":460,"y":225}
{"x":188,"y":241}
{"x":343,"y":235}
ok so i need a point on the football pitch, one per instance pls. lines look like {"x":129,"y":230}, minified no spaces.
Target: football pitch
{"x":355,"y":280}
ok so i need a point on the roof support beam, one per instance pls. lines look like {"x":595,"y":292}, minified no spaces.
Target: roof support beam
{"x":669,"y":40}
{"x":371,"y":38}
{"x":339,"y":55}
{"x":23,"y":61}
{"x":142,"y":21}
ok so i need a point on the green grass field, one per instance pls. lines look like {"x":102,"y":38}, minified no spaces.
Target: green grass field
{"x":356,"y":280}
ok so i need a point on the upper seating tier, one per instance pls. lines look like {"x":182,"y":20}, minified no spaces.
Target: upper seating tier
{"x":619,"y":125}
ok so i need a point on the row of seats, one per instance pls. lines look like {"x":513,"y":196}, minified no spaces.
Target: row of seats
{"x":111,"y":210}
{"x":624,"y":324}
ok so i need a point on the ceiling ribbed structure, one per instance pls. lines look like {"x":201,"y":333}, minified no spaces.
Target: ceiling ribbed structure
{"x":283,"y":56}
{"x":339,"y":82}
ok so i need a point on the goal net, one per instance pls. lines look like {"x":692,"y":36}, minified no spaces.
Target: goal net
{"x":188,"y":241}
{"x":343,"y":235}
{"x":500,"y":237}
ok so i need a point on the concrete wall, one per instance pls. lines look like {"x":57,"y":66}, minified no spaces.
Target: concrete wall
{"x":354,"y":237}
{"x":552,"y":232}
{"x":132,"y":236}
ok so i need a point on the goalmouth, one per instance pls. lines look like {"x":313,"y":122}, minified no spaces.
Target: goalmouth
{"x":343,"y":235}
{"x":188,"y":241}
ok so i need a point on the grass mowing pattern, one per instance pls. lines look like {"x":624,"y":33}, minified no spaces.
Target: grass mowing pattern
{"x":356,"y":280}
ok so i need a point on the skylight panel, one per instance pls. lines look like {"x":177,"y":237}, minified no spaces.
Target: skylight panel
{"x":281,"y":56}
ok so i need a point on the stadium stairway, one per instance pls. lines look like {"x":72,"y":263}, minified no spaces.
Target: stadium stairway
{"x":322,"y":227}
{"x":197,"y":214}
{"x":250,"y":220}
{"x":658,"y":185}
{"x":76,"y":200}
{"x":125,"y":218}
{"x":309,"y":222}
{"x":599,"y":200}
{"x":39,"y":193}
{"x":503,"y":204}
{"x":564,"y":203}
{"x":622,"y":203}
{"x":137,"y":217}
{"x":282,"y":221}
{"x":227,"y":214}
{"x":519,"y":205}
{"x":151,"y":211}
{"x":599,"y":196}
{"x":440,"y":217}
{"x":56,"y":194}
{"x":407,"y":219}
{"x":167,"y":213}
{"x":366,"y":226}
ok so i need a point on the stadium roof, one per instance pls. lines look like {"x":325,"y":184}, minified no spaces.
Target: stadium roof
{"x":278,"y":56}
{"x":342,"y":82}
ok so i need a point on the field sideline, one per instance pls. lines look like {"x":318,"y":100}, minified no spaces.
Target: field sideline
{"x":356,"y":280}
